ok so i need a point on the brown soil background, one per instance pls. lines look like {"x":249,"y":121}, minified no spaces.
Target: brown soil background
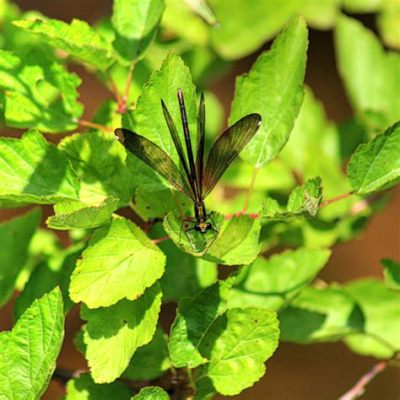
{"x":313,"y":372}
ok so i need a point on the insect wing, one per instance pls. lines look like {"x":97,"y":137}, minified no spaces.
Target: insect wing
{"x":201,"y":142}
{"x":226,"y":149}
{"x":154,"y":157}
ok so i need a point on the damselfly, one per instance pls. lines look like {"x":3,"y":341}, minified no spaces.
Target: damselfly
{"x":197,"y":178}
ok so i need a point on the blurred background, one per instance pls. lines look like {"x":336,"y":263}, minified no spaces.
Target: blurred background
{"x":295,"y":372}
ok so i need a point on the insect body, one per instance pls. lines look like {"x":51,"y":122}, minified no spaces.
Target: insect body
{"x":197,"y":178}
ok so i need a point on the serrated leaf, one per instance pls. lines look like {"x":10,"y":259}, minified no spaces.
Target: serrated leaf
{"x":369,"y":73}
{"x":150,"y":361}
{"x":55,"y":271}
{"x":34,"y":171}
{"x":148,"y":120}
{"x":100,"y":163}
{"x":391,"y":271}
{"x":130,"y":325}
{"x":274,"y":89}
{"x":314,"y":149}
{"x":238,"y":243}
{"x":151,"y":393}
{"x":236,"y":347}
{"x":32,"y":346}
{"x":272,"y":283}
{"x":39,"y":92}
{"x":186,"y":238}
{"x":78,"y":39}
{"x":136,"y":24}
{"x":119,"y":262}
{"x":195,"y":317}
{"x":15,"y":236}
{"x":303,"y":200}
{"x":185,"y":275}
{"x":83,"y":388}
{"x":381,"y":307}
{"x":77,"y":215}
{"x":376,"y":165}
{"x":320,"y":315}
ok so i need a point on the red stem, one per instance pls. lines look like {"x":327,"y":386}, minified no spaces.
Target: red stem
{"x":335,"y":199}
{"x":90,"y":124}
{"x":161,"y":239}
{"x":359,"y":388}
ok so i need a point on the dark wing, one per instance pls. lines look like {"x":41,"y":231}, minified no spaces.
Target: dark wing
{"x":154,"y":157}
{"x":226,"y":149}
{"x":175,"y":138}
{"x":200,"y":145}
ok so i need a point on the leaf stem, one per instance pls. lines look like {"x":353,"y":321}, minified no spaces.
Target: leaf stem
{"x":250,"y":189}
{"x":123,"y":108}
{"x":335,"y":199}
{"x":227,"y":217}
{"x":161,"y":239}
{"x":359,"y":388}
{"x":90,"y":124}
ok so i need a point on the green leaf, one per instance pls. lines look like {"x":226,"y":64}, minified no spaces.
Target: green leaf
{"x":381,"y":307}
{"x":156,"y":204}
{"x":148,"y":120}
{"x":55,"y":271}
{"x":194,"y":318}
{"x":39,"y":92}
{"x":202,"y":9}
{"x":369,"y":73}
{"x":274,"y":89}
{"x":100,"y":163}
{"x":186,"y":238}
{"x":78,"y":39}
{"x":29,"y":352}
{"x":150,"y":361}
{"x":151,"y":393}
{"x":362,"y":6}
{"x":76,"y":215}
{"x":184,"y":275}
{"x":391,"y":271}
{"x":376,"y":165}
{"x":180,"y":19}
{"x":243,"y":28}
{"x":83,"y":388}
{"x":136,"y":25}
{"x":303,"y":200}
{"x":237,"y":243}
{"x":320,"y":315}
{"x":272,"y":283}
{"x":130,"y":325}
{"x":236,"y":347}
{"x":314,"y":149}
{"x":15,"y":236}
{"x":34,"y":171}
{"x":388,"y":23}
{"x":119,"y":262}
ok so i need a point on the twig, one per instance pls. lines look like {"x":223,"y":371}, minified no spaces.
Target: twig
{"x":250,"y":189}
{"x":90,"y":124}
{"x":335,"y":199}
{"x":115,"y":91}
{"x":227,"y":217}
{"x":123,"y":104}
{"x":161,"y":239}
{"x":359,"y":388}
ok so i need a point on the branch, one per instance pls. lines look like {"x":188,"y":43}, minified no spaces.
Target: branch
{"x":90,"y":124}
{"x":335,"y":199}
{"x":359,"y":388}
